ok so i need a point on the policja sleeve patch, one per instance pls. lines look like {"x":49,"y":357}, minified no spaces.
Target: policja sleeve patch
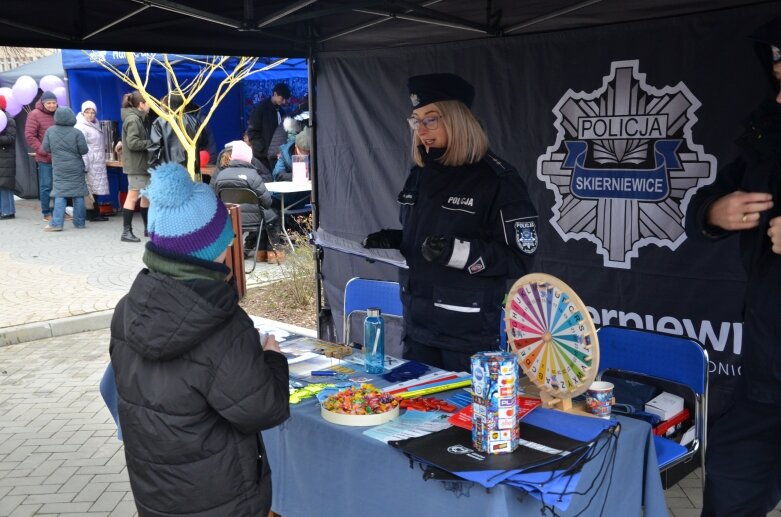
{"x":522,"y":233}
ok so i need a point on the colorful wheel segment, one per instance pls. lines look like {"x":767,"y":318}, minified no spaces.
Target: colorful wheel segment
{"x":551,"y":331}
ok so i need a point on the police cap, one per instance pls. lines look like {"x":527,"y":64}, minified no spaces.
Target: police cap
{"x":428,"y":88}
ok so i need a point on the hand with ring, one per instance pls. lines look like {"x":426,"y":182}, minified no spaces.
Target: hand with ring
{"x":739,"y":210}
{"x":774,"y":232}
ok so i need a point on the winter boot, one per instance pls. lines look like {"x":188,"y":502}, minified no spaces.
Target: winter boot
{"x":127,"y":232}
{"x":144,"y":215}
{"x":94,"y":215}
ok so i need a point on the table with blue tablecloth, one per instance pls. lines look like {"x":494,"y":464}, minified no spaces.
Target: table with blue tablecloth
{"x":320,"y":468}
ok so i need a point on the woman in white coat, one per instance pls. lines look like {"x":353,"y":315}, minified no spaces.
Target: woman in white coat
{"x":95,"y":159}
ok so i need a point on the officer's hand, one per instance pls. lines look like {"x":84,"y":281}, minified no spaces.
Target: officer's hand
{"x":774,"y":231}
{"x":387,"y":239}
{"x":739,"y":210}
{"x":437,"y":248}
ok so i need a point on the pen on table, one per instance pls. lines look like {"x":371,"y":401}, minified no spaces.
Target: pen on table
{"x":324,"y":373}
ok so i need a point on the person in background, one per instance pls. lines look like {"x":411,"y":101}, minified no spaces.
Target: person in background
{"x":196,"y":381}
{"x":264,"y":120}
{"x":225,"y":157}
{"x":300,"y":146}
{"x":135,"y":160}
{"x":95,"y":160}
{"x":67,"y":145}
{"x":7,"y":165}
{"x":39,"y":120}
{"x":469,"y":228}
{"x":238,"y":172}
{"x":743,"y":457}
{"x":165,"y":146}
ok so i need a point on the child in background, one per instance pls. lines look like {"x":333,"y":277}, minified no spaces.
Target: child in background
{"x":195,"y":384}
{"x":67,"y":145}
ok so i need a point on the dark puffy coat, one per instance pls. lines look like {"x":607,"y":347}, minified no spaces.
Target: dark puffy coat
{"x":38,"y":121}
{"x":8,"y":155}
{"x":67,"y":145}
{"x":243,"y":175}
{"x":195,"y":387}
{"x":135,"y":141}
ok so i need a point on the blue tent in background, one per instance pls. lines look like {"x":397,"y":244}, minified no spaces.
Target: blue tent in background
{"x":88,"y":80}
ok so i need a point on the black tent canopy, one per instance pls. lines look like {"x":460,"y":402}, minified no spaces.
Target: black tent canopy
{"x":292,"y":28}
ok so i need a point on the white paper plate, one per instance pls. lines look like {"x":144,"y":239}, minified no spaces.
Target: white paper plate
{"x":359,"y":420}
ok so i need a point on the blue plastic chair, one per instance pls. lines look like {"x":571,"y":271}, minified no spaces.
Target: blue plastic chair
{"x":362,"y":293}
{"x":676,"y":359}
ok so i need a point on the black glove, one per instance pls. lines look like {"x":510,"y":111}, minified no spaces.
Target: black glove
{"x":387,"y":239}
{"x":437,"y":248}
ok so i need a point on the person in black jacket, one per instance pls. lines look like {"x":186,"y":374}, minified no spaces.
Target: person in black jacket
{"x":7,"y":165}
{"x":195,"y":385}
{"x":165,"y":146}
{"x":264,"y":120}
{"x":240,"y":173}
{"x":743,"y":463}
{"x":469,"y":228}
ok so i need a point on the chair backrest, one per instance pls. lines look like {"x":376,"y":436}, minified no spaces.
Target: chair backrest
{"x":239,"y":196}
{"x":674,"y":358}
{"x":362,"y":293}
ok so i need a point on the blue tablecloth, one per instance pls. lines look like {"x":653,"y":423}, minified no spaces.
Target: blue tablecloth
{"x":319,"y":468}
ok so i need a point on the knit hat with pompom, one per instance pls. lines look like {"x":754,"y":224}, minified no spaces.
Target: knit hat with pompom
{"x":186,"y":218}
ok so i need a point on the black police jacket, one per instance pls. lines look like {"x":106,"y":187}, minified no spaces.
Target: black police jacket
{"x":757,"y":169}
{"x":455,"y":304}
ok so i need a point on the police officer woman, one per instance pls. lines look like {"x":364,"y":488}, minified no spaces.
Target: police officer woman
{"x":463,"y":211}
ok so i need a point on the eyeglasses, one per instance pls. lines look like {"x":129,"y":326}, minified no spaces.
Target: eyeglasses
{"x":431,"y":122}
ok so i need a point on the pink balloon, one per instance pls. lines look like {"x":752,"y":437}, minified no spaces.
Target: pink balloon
{"x":62,"y":96}
{"x":50,"y":83}
{"x":3,"y":121}
{"x":12,"y":107}
{"x":25,"y":89}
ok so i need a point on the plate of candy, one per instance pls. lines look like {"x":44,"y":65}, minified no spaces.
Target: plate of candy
{"x":360,"y":406}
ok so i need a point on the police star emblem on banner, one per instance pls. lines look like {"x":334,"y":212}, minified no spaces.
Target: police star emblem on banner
{"x":624,"y":164}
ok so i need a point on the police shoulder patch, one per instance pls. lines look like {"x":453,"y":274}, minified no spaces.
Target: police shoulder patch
{"x":526,"y":236}
{"x":476,"y":266}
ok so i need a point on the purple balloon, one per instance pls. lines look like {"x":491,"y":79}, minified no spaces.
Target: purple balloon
{"x":50,"y":83}
{"x":12,"y":107}
{"x":3,"y":121}
{"x":25,"y":89}
{"x":62,"y":96}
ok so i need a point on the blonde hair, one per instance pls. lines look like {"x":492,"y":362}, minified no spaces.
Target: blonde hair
{"x":466,"y":139}
{"x":225,"y":158}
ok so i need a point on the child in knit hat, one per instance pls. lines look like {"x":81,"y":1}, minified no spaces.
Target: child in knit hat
{"x":195,"y":384}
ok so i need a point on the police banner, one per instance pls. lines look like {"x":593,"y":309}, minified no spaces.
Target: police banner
{"x":613,"y":129}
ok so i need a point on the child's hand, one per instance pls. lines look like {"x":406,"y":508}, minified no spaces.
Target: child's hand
{"x":270,"y":343}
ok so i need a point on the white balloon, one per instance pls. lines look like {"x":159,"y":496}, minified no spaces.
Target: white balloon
{"x":3,"y":121}
{"x":25,"y":89}
{"x":12,"y":107}
{"x":50,"y":82}
{"x":62,"y":96}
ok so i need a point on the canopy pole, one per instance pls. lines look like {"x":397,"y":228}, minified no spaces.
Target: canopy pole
{"x":118,"y":20}
{"x":311,"y":78}
{"x":550,"y":16}
{"x":296,"y":6}
{"x":370,"y":24}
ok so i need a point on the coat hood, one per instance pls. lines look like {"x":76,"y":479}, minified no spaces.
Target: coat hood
{"x":131,"y":112}
{"x":64,"y":116}
{"x":765,"y":37}
{"x":166,"y":318}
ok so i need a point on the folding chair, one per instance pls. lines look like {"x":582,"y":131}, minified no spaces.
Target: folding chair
{"x":245,"y":196}
{"x":362,"y":293}
{"x":675,"y":359}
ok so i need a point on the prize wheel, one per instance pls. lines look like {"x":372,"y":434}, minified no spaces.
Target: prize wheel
{"x":553,"y":335}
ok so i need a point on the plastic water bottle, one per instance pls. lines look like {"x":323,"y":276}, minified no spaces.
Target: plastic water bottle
{"x":374,"y":342}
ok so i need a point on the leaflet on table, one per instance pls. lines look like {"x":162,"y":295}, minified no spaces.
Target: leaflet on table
{"x":331,"y":241}
{"x":463,"y":418}
{"x":409,"y":425}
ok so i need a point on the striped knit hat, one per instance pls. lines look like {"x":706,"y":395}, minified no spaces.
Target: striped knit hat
{"x":185,"y":217}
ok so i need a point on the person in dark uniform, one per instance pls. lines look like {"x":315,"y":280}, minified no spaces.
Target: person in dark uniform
{"x":743,"y":458}
{"x":469,"y":228}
